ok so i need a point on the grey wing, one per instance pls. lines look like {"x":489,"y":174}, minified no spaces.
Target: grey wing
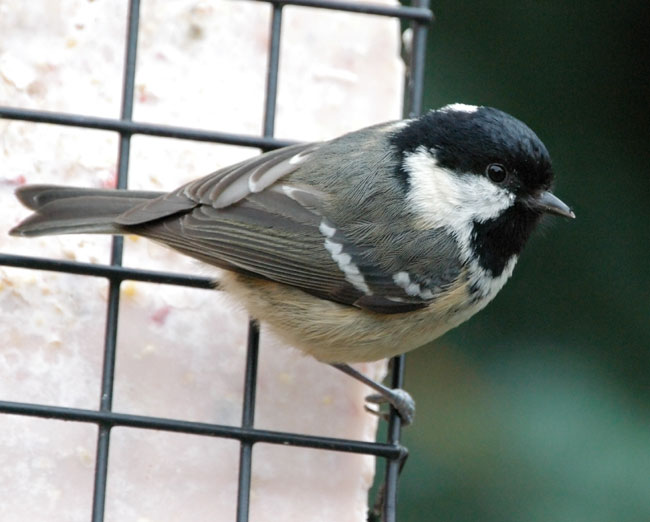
{"x":248,"y":218}
{"x":225,"y":186}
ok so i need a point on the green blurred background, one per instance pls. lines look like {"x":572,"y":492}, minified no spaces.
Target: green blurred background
{"x":537,"y":408}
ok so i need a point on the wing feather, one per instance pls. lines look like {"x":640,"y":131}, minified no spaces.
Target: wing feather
{"x":223,"y":187}
{"x":249,"y":218}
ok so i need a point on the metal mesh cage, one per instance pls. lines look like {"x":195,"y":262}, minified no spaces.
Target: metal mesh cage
{"x":418,"y":16}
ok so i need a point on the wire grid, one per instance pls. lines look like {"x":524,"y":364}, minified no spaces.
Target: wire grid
{"x":418,"y":16}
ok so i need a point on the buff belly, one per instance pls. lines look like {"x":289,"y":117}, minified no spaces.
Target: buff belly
{"x":332,"y":332}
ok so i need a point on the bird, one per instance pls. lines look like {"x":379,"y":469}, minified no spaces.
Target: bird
{"x":355,"y":249}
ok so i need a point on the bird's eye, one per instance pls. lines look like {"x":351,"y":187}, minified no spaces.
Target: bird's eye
{"x":496,"y":172}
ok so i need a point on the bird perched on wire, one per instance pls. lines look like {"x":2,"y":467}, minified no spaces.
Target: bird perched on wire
{"x":354,"y":249}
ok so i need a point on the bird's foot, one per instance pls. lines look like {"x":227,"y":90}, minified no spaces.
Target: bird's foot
{"x":396,"y":397}
{"x":399,"y":399}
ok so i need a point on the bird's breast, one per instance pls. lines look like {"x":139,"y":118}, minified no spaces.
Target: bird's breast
{"x":332,"y":332}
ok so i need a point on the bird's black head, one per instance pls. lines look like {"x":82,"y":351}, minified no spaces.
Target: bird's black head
{"x":467,"y":140}
{"x":480,"y":173}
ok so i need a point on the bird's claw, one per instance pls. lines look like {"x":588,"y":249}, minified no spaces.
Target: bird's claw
{"x":399,"y":399}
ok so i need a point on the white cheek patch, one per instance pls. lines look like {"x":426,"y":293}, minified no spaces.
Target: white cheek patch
{"x":454,"y":202}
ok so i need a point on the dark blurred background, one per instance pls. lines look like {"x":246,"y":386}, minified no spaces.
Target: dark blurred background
{"x":537,"y":408}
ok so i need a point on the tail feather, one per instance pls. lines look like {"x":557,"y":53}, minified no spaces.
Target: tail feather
{"x":74,"y":210}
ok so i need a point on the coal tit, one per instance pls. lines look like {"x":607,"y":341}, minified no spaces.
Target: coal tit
{"x":354,"y":249}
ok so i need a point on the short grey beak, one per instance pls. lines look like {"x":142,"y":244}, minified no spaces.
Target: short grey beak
{"x":553,"y":205}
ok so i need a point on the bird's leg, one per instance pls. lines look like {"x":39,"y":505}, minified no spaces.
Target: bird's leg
{"x":397,"y":398}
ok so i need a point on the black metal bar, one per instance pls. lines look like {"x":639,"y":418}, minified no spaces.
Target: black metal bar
{"x":394,"y":433}
{"x":415,"y":85}
{"x":117,"y":248}
{"x":115,"y":419}
{"x":117,"y":273}
{"x":149,"y":129}
{"x":404,"y":12}
{"x":273,"y":65}
{"x":248,"y":418}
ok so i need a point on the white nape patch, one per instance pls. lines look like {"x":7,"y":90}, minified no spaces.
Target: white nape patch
{"x":452,"y":201}
{"x":352,"y":273}
{"x":459,"y":107}
{"x":403,"y":280}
